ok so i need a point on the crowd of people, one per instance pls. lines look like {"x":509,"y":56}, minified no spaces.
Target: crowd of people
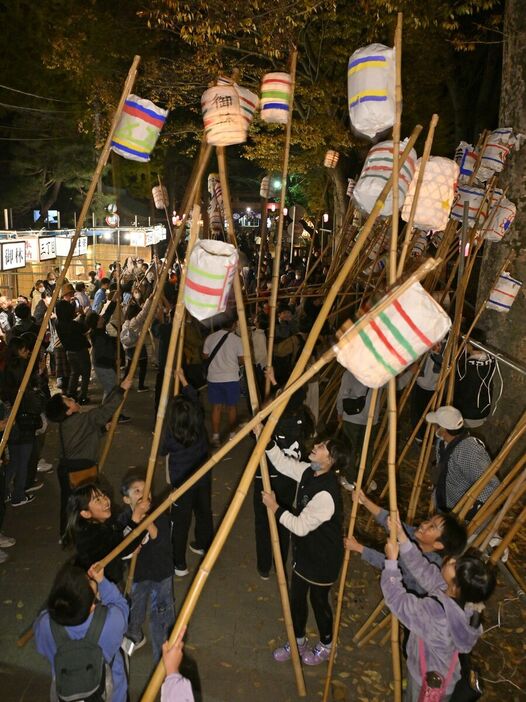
{"x":430,"y":581}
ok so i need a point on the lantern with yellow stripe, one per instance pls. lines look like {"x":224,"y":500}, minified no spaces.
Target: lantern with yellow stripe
{"x":395,"y":338}
{"x":138,"y":129}
{"x":371,"y":89}
{"x":211,"y":270}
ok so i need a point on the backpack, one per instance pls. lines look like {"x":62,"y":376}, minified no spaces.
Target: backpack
{"x":81,"y":672}
{"x":129,"y":336}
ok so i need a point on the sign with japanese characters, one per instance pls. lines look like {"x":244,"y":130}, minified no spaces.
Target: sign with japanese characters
{"x":13,"y":254}
{"x":47,"y":249}
{"x":31,"y":249}
{"x":63,"y":244}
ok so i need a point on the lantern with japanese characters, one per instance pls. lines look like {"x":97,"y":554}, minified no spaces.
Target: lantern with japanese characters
{"x":436,"y":194}
{"x":331,"y":159}
{"x":371,"y":89}
{"x":504,"y":293}
{"x":378,"y":168}
{"x":500,"y":219}
{"x":138,"y":129}
{"x":275,"y":97}
{"x":395,"y":338}
{"x":160,"y":197}
{"x":210,"y":274}
{"x":223,"y":121}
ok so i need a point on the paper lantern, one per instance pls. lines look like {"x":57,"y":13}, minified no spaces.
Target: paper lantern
{"x":436,"y":194}
{"x":214,"y":188}
{"x":371,"y":89}
{"x":395,"y":338}
{"x":222,"y":117}
{"x":419,"y":246}
{"x":351,"y":184}
{"x":160,"y":197}
{"x":495,"y":153}
{"x":211,"y":270}
{"x":504,"y":293}
{"x":377,"y":168}
{"x":500,"y":219}
{"x":478,"y":208}
{"x":264,"y":188}
{"x":248,"y":102}
{"x":376,"y":267}
{"x":331,"y":159}
{"x":138,"y":129}
{"x":436,"y":238}
{"x":381,"y":243}
{"x":466,"y":158}
{"x":275,"y":97}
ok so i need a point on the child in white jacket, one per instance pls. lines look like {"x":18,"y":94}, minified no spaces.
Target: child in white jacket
{"x":131,"y":329}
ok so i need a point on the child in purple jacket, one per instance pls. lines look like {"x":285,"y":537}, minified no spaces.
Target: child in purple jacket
{"x":446,"y":621}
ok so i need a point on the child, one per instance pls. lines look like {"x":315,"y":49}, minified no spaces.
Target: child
{"x":153,"y":575}
{"x":438,"y":537}
{"x":79,"y":437}
{"x":94,"y":531}
{"x":446,"y":621}
{"x":176,"y":688}
{"x":71,"y":604}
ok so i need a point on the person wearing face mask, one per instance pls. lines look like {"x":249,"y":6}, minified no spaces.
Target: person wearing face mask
{"x":50,"y":282}
{"x":317,"y":545}
{"x":461,"y":460}
{"x":36,"y":295}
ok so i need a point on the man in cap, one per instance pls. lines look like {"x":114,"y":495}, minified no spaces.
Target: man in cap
{"x":461,"y":460}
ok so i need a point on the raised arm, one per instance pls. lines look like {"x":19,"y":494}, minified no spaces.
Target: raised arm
{"x":285,"y":464}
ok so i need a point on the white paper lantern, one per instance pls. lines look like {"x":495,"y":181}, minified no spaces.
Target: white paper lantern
{"x":211,"y":270}
{"x":504,"y":293}
{"x":395,"y":338}
{"x":436,"y":194}
{"x":495,"y":152}
{"x":466,"y":158}
{"x":371,"y":89}
{"x":223,"y":120}
{"x":377,"y":168}
{"x":478,"y":208}
{"x":351,"y":184}
{"x":331,"y":159}
{"x":275,"y":97}
{"x":419,"y":246}
{"x":500,"y":219}
{"x":160,"y":197}
{"x":264,"y":188}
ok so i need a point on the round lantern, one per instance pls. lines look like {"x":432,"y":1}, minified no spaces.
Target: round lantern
{"x":160,"y":197}
{"x":222,"y":117}
{"x":275,"y":97}
{"x":331,"y":159}
{"x":351,"y":184}
{"x":264,"y":188}
{"x":436,"y":194}
{"x":504,"y":293}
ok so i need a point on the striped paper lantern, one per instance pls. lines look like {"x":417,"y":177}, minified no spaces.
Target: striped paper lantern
{"x":478,"y":209}
{"x":248,"y":102}
{"x":376,"y":170}
{"x":395,"y":338}
{"x":223,"y":121}
{"x":160,"y":197}
{"x":436,"y":194}
{"x":138,"y":129}
{"x":275,"y":97}
{"x":500,"y":220}
{"x":371,"y":89}
{"x":264,"y":188}
{"x":419,"y":246}
{"x":351,"y":184}
{"x":211,"y":270}
{"x":331,"y":159}
{"x":436,"y":238}
{"x":504,"y":293}
{"x":495,"y":152}
{"x":214,"y":188}
{"x":376,"y":267}
{"x":466,"y":158}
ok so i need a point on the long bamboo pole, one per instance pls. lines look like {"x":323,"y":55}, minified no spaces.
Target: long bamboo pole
{"x":350,"y":533}
{"x":279,"y":238}
{"x":370,"y":619}
{"x":254,"y":402}
{"x":514,"y":496}
{"x":266,"y":433}
{"x":103,"y":158}
{"x":508,"y":538}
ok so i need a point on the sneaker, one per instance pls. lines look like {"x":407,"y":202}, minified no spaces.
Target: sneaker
{"x":143,"y":389}
{"x":181,"y":571}
{"x":123,"y":419}
{"x":316,"y":655}
{"x":195,"y":548}
{"x":25,"y":501}
{"x":44,"y":467}
{"x":34,"y":487}
{"x":346,"y":484}
{"x":216,"y":442}
{"x":282,"y":653}
{"x":6,"y":541}
{"x":3,"y":556}
{"x":264,"y":575}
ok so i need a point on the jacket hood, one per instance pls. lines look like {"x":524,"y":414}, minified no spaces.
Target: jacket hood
{"x":463,"y":634}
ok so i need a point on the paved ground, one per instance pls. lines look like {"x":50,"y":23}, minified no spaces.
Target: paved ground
{"x":238,"y":619}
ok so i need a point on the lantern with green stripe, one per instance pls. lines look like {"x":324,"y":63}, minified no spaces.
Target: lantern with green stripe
{"x":211,"y":270}
{"x":275,"y":97}
{"x":377,"y":169}
{"x":395,"y":338}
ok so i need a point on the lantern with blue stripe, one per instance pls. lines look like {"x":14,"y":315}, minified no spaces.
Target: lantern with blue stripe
{"x":138,"y":129}
{"x":275,"y":97}
{"x":371,"y":89}
{"x":504,"y":293}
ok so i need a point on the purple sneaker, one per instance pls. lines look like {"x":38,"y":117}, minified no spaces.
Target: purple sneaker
{"x":282,"y":653}
{"x":318,"y":654}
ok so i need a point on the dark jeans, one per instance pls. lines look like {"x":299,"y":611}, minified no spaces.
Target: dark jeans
{"x":319,"y":599}
{"x":162,"y":612}
{"x":197,"y":501}
{"x":419,"y":400}
{"x":143,"y":364}
{"x":355,"y":433}
{"x":80,"y":364}
{"x":33,"y":460}
{"x":19,"y":455}
{"x":285,"y":490}
{"x":62,"y":369}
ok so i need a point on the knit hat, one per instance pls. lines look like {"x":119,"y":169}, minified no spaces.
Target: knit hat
{"x":446,"y":417}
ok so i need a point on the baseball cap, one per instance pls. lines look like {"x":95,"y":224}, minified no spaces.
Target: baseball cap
{"x":446,"y":417}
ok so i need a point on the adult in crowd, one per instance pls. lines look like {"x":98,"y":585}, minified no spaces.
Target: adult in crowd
{"x":50,"y":282}
{"x":475,"y":372}
{"x":100,"y":296}
{"x":24,"y":322}
{"x":73,"y":337}
{"x":81,"y":297}
{"x":134,"y":319}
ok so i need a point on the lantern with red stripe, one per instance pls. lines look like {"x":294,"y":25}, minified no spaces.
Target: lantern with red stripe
{"x":275,"y":97}
{"x":500,"y":219}
{"x":138,"y":129}
{"x":504,"y":293}
{"x":223,"y":120}
{"x":377,"y":169}
{"x":395,"y":338}
{"x":495,"y":152}
{"x":477,"y":206}
{"x":211,"y":270}
{"x":466,"y":158}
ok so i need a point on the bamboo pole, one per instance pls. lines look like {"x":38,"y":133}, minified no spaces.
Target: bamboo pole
{"x":295,"y":381}
{"x":508,"y":538}
{"x":192,"y":188}
{"x":262,"y":237}
{"x":180,"y":351}
{"x":103,"y":158}
{"x":347,"y":554}
{"x":514,"y":496}
{"x":376,"y":630}
{"x":370,"y":619}
{"x":254,"y":402}
{"x":279,"y":239}
{"x":119,"y":320}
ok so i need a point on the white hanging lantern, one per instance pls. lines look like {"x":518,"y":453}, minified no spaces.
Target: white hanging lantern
{"x":209,"y":278}
{"x":495,"y":152}
{"x":371,"y":89}
{"x":377,"y":168}
{"x":351,"y":184}
{"x":249,"y":103}
{"x":138,"y":129}
{"x":500,"y":219}
{"x":504,"y":293}
{"x":395,"y":338}
{"x":436,"y":194}
{"x":264,"y":188}
{"x":331,"y":159}
{"x":466,"y":158}
{"x":223,"y":121}
{"x":478,"y":209}
{"x":275,"y":97}
{"x":376,"y":267}
{"x":419,"y":246}
{"x":160,"y":197}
